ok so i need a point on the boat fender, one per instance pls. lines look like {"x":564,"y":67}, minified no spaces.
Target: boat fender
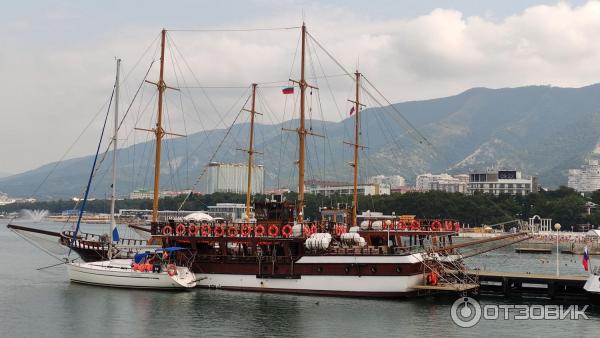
{"x":436,"y":225}
{"x":232,"y":231}
{"x":219,"y":231}
{"x":286,"y":231}
{"x":167,"y":230}
{"x":171,"y":270}
{"x":273,"y":230}
{"x":415,"y":225}
{"x":193,"y":230}
{"x":205,"y":230}
{"x":259,"y":231}
{"x":180,"y":229}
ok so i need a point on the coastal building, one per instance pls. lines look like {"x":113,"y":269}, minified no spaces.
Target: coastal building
{"x":328,"y":188}
{"x":227,"y":177}
{"x":394,"y":181}
{"x":141,"y":194}
{"x":234,"y":212}
{"x":442,"y":182}
{"x":502,"y":182}
{"x":586,"y":178}
{"x":5,"y":200}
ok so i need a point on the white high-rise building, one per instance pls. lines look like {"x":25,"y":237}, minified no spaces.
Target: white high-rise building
{"x":226,"y":177}
{"x":585,"y":179}
{"x":442,"y":182}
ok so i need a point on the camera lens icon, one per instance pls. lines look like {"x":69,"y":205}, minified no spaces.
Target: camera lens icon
{"x":465,"y":312}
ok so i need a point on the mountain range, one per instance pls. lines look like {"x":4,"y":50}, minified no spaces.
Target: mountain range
{"x":540,"y":130}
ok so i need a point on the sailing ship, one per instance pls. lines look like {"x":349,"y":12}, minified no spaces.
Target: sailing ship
{"x":282,"y":252}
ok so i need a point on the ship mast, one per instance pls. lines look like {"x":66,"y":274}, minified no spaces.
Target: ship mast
{"x":356,"y":146}
{"x":356,"y":109}
{"x":113,"y":223}
{"x":158,"y":131}
{"x":250,"y":151}
{"x":302,"y":132}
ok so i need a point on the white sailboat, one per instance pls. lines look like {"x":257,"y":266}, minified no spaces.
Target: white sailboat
{"x":158,"y":269}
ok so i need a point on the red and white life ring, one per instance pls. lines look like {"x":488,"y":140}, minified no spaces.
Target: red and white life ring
{"x":286,"y":231}
{"x":245,"y":230}
{"x":167,"y":230}
{"x":180,"y":229}
{"x":401,"y":225}
{"x":219,"y":231}
{"x":415,"y":225}
{"x":232,"y":231}
{"x":436,"y":225}
{"x":193,"y":230}
{"x":273,"y":230}
{"x":205,"y":230}
{"x":259,"y":231}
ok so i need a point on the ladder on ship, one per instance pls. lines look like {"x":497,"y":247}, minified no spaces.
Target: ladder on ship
{"x":446,"y":271}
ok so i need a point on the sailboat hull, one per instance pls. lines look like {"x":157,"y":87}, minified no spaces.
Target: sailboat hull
{"x":118,"y":273}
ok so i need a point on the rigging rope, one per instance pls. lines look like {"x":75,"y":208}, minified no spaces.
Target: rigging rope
{"x":212,"y":156}
{"x":234,"y":29}
{"x":87,"y":190}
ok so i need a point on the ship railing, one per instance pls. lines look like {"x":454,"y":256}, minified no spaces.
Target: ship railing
{"x":449,"y":269}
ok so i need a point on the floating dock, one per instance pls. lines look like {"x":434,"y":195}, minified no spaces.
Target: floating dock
{"x":531,"y":284}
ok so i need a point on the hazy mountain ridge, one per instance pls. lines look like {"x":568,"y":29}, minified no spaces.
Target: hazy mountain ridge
{"x":540,"y":130}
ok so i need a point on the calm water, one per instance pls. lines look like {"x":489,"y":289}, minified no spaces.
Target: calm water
{"x":44,"y":304}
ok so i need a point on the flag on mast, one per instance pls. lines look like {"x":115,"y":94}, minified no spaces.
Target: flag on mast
{"x":352,"y":111}
{"x":288,"y":90}
{"x":586,"y":258}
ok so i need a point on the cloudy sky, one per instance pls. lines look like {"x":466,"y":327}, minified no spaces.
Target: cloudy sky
{"x":57,"y":58}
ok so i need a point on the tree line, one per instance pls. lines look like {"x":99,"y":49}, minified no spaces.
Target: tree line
{"x":564,"y":205}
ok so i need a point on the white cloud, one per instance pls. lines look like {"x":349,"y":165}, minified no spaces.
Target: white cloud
{"x":51,"y":88}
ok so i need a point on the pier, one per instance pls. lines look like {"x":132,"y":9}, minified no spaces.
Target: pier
{"x":531,"y":284}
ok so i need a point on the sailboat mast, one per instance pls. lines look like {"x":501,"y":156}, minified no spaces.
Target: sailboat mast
{"x":159,"y":131}
{"x":113,"y":223}
{"x":251,"y":151}
{"x":356,"y":148}
{"x":301,"y":131}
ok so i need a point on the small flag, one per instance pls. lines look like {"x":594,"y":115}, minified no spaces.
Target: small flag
{"x":586,"y":258}
{"x":352,"y":111}
{"x":288,"y":90}
{"x":115,"y":235}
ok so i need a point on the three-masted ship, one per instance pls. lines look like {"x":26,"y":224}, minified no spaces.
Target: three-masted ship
{"x":281,"y":252}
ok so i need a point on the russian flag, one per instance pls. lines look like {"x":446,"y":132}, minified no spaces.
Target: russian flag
{"x":288,"y":90}
{"x":586,"y":258}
